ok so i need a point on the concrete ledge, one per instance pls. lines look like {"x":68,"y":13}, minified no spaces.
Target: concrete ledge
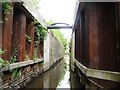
{"x":32,"y":8}
{"x":100,"y":74}
{"x":20,"y":64}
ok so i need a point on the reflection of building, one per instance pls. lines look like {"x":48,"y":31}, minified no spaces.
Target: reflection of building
{"x":95,"y":43}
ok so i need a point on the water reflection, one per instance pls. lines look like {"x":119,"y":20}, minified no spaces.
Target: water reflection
{"x":64,"y":83}
{"x":57,"y":77}
{"x":51,"y":78}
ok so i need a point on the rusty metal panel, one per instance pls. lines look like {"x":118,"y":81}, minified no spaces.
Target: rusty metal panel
{"x":0,"y":24}
{"x":40,"y":50}
{"x":92,"y":39}
{"x":6,"y":34}
{"x":83,"y":37}
{"x":101,"y":23}
{"x":118,"y":44}
{"x":77,"y":42}
{"x":29,"y":47}
{"x":18,"y":35}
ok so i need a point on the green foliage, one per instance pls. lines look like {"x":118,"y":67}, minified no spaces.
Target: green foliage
{"x":13,"y":58}
{"x":3,"y":63}
{"x":27,"y":57}
{"x":60,"y":37}
{"x":40,"y":33}
{"x":5,"y":10}
{"x":1,"y":52}
{"x":28,"y":39}
{"x":35,"y":54}
{"x":15,"y":72}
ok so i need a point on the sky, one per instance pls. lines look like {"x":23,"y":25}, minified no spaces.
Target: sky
{"x":58,"y":11}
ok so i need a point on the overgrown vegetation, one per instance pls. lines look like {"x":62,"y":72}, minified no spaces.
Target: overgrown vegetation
{"x":28,"y":38}
{"x":5,"y":10}
{"x":15,"y":72}
{"x":39,"y":34}
{"x":26,"y":57}
{"x":13,"y":58}
{"x":35,"y":54}
{"x":60,"y":37}
{"x":3,"y":63}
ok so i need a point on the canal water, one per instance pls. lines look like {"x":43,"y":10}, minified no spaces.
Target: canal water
{"x":59,"y":76}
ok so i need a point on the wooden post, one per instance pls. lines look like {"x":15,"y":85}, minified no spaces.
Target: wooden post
{"x":30,"y":32}
{"x":18,"y":35}
{"x":101,"y":24}
{"x":6,"y":34}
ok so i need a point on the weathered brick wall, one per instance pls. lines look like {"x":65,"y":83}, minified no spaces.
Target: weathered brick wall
{"x":27,"y":73}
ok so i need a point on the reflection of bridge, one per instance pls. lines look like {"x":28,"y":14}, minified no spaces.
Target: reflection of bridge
{"x":59,"y":26}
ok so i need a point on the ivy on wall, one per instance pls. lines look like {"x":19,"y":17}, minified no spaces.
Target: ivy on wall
{"x":5,"y":10}
{"x":3,"y":63}
{"x":39,"y":34}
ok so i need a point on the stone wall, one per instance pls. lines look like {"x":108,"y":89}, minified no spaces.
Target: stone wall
{"x":53,"y":51}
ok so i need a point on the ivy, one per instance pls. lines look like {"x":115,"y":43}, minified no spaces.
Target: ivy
{"x":14,"y":54}
{"x":5,"y":10}
{"x":40,"y":33}
{"x":1,"y":52}
{"x":3,"y":63}
{"x":28,"y":38}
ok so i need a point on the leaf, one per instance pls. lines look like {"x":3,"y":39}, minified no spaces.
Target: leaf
{"x":1,"y":52}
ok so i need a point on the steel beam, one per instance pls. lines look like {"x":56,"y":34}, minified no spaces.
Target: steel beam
{"x":59,"y":27}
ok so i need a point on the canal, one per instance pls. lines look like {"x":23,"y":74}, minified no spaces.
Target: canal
{"x":59,"y":76}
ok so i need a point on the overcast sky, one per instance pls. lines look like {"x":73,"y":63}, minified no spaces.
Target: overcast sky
{"x":58,"y":11}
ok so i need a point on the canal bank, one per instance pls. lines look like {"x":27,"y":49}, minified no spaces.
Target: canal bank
{"x":52,"y":78}
{"x":59,"y":76}
{"x":27,"y":48}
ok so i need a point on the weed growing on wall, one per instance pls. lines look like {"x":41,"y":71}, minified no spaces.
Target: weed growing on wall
{"x":16,"y":72}
{"x":5,"y":10}
{"x":13,"y":58}
{"x":3,"y":63}
{"x":28,"y":38}
{"x":39,"y":34}
{"x":26,"y":57}
{"x":35,"y":54}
